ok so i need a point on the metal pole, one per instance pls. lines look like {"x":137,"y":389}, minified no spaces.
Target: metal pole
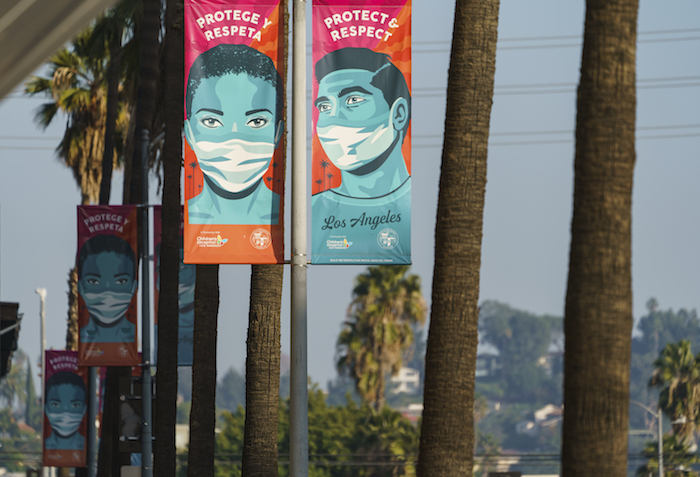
{"x":298,"y":406}
{"x":93,"y":404}
{"x":661,"y":443}
{"x":42,"y":295}
{"x":146,"y":430}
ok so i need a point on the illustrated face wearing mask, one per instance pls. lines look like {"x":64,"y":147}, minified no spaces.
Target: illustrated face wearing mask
{"x":233,"y":130}
{"x":107,"y":286}
{"x":65,"y":408}
{"x":355,"y":123}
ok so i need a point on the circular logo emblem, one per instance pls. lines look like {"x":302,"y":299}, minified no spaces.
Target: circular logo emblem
{"x":388,"y":239}
{"x":260,"y":239}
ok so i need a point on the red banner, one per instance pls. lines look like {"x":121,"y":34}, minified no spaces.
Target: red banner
{"x":65,"y":410}
{"x":234,"y":128}
{"x":107,"y":282}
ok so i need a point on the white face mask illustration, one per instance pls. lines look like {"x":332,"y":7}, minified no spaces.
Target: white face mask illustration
{"x":351,"y":147}
{"x":107,"y":306}
{"x":233,"y":165}
{"x":65,"y":423}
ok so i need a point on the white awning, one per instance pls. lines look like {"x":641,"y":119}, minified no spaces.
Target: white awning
{"x":32,"y":30}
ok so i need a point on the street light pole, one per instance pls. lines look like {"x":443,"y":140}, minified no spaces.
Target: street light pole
{"x":660,"y":431}
{"x":42,"y":295}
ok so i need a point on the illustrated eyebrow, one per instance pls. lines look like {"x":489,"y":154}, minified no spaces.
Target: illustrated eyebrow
{"x":215,"y":111}
{"x":320,"y":99}
{"x":123,"y":275}
{"x":353,"y":89}
{"x":255,"y":111}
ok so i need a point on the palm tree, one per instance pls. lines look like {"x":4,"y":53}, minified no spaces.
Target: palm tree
{"x":447,"y":430}
{"x":200,"y":459}
{"x":260,"y":454}
{"x":677,"y":375}
{"x":378,"y":334}
{"x":598,"y":313}
{"x":329,"y":176}
{"x":76,"y":87}
{"x":324,"y":164}
{"x":193,"y":166}
{"x":262,"y":371}
{"x":677,"y":459}
{"x":319,"y":182}
{"x":164,"y":455}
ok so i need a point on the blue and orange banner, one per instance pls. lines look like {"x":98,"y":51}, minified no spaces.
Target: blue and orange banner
{"x":185,"y":295}
{"x":65,"y":410}
{"x":107,"y":266}
{"x":234,"y":129}
{"x":361,"y":139}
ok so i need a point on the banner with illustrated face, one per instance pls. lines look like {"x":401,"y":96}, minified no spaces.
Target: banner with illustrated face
{"x":361,"y":138}
{"x":234,"y":128}
{"x":107,"y":282}
{"x":185,"y":295}
{"x":65,"y":410}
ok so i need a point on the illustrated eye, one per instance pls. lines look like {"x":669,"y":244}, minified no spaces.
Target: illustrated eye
{"x":92,"y":281}
{"x":211,"y":122}
{"x":323,"y":107}
{"x":257,"y":122}
{"x":121,"y":281}
{"x":77,"y":405}
{"x":354,"y":100}
{"x":54,"y":405}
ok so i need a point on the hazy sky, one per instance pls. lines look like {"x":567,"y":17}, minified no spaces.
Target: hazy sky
{"x":528,"y":194}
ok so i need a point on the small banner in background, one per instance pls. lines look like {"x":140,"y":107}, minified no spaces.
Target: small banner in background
{"x":361,"y":140}
{"x":65,"y":410}
{"x":107,"y":282}
{"x":185,"y":295}
{"x":234,"y":128}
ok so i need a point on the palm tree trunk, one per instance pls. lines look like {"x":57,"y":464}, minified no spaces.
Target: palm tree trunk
{"x":166,"y":398}
{"x":148,"y":77}
{"x":200,"y":462}
{"x":263,"y":371}
{"x":447,"y":432}
{"x":598,"y":321}
{"x":113,"y":78}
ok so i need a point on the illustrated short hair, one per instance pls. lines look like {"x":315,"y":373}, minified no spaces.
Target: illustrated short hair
{"x":234,"y":59}
{"x":104,"y":244}
{"x":387,"y":77}
{"x":66,"y":377}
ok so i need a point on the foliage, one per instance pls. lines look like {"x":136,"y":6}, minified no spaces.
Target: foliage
{"x":230,"y":392}
{"x":337,"y":435}
{"x":678,"y":460}
{"x":377,"y":337}
{"x":523,"y":340}
{"x":13,"y":387}
{"x":654,"y":331}
{"x":677,"y":374}
{"x":76,"y":86}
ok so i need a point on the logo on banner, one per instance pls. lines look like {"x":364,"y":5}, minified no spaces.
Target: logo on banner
{"x":260,"y":239}
{"x":204,"y":241}
{"x":388,"y":239}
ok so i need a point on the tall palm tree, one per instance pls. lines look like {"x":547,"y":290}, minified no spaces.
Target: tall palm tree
{"x":77,"y":87}
{"x":378,"y":334}
{"x":260,"y":454}
{"x":598,"y":314}
{"x":677,"y":375}
{"x":200,"y":459}
{"x":164,"y":454}
{"x":447,"y":430}
{"x":262,"y":372}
